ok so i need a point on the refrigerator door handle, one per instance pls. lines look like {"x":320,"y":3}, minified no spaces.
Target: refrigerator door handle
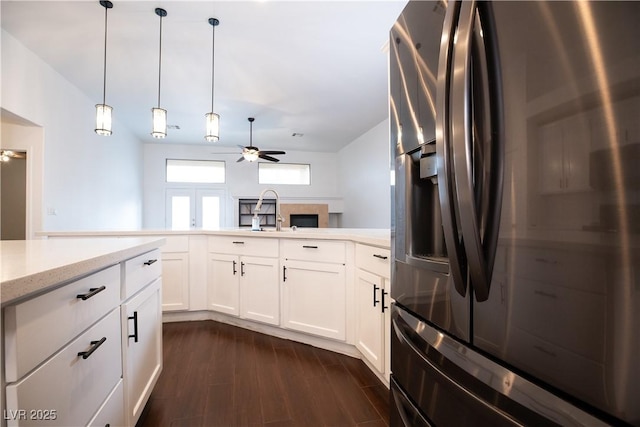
{"x":446,"y":182}
{"x":480,"y":245}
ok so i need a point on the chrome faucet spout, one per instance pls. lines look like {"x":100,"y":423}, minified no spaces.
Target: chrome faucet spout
{"x":279,"y":218}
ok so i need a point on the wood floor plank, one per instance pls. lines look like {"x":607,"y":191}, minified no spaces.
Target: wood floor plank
{"x":216,"y":374}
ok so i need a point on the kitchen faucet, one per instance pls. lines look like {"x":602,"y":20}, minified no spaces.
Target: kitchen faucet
{"x":279,"y":218}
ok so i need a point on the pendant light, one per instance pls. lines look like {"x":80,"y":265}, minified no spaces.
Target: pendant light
{"x":103,"y":111}
{"x":159,"y":115}
{"x":213,"y":119}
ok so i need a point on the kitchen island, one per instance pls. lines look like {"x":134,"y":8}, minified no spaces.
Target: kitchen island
{"x":327,"y":287}
{"x":81,"y":334}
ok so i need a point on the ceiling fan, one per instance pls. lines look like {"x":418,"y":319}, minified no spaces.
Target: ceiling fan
{"x":251,"y":153}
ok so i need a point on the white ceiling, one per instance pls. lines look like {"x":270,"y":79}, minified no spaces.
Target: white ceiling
{"x":313,"y":67}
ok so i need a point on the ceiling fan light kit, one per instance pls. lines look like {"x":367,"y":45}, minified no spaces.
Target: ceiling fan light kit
{"x":103,"y":111}
{"x":213,"y":119}
{"x":159,"y":115}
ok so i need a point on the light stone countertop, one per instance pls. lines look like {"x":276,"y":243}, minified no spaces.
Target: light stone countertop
{"x":29,"y":267}
{"x":369,"y":236}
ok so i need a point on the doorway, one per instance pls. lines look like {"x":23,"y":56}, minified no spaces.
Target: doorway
{"x":194,"y":208}
{"x":13,"y":195}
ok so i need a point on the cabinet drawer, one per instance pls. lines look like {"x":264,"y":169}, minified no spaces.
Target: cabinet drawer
{"x":314,"y":250}
{"x":111,"y":413}
{"x":239,"y":245}
{"x":37,"y":328}
{"x":71,"y":385}
{"x":584,"y":271}
{"x":566,"y":317}
{"x":374,"y":260}
{"x":557,"y":366}
{"x":141,"y":271}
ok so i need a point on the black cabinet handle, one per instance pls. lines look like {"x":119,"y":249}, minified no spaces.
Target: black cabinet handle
{"x":94,"y":347}
{"x":135,"y":326}
{"x":242,"y":268}
{"x":234,"y":268}
{"x":151,"y":261}
{"x":309,"y":247}
{"x":375,"y":301}
{"x":384,"y":304}
{"x":284,"y":273}
{"x":92,"y":292}
{"x":238,"y":243}
{"x":380,"y":256}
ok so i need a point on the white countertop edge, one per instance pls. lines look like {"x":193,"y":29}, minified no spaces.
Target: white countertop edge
{"x":33,"y":276}
{"x":369,"y":236}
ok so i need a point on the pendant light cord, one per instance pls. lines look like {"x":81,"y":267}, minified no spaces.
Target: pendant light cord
{"x":104,"y":69}
{"x":160,"y":62}
{"x":213,"y":44}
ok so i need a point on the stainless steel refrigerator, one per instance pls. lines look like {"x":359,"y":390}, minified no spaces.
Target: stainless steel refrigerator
{"x":515,"y":132}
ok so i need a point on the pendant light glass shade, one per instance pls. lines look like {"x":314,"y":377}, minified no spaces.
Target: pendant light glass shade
{"x":213,"y":127}
{"x":159,"y":116}
{"x":213,"y":119}
{"x":103,"y":111}
{"x":103,"y":119}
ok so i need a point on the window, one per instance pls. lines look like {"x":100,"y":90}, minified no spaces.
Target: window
{"x":284,"y":173}
{"x":195,"y":171}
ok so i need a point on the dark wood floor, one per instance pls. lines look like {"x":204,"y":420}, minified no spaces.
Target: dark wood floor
{"x":220,"y":375}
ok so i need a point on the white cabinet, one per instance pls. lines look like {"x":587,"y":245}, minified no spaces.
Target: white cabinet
{"x":314,"y":287}
{"x":141,"y":320}
{"x":175,"y":273}
{"x":244,"y":279}
{"x":63,"y":353}
{"x":223,"y":284}
{"x":564,"y":155}
{"x":372,"y":305}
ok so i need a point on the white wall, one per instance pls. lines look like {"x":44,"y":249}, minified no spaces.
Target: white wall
{"x":364,"y":170}
{"x":241,"y":179}
{"x":91,"y":182}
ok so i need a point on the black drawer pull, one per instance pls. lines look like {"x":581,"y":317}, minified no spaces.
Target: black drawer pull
{"x":151,"y":261}
{"x":284,"y":273}
{"x":380,"y":256}
{"x":309,"y":247}
{"x":234,"y":268}
{"x":241,"y":268}
{"x":384,"y":306}
{"x":94,"y":347}
{"x":92,"y":292}
{"x":238,"y":243}
{"x":135,"y":326}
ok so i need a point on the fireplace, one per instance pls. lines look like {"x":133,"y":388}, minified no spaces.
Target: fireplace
{"x":304,"y":220}
{"x":308,"y":214}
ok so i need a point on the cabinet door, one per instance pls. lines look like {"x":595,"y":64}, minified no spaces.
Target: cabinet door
{"x":175,"y":281}
{"x":370,"y":317}
{"x":259,"y":286}
{"x":314,"y":298}
{"x":141,"y":347}
{"x":223,"y":283}
{"x":551,"y":158}
{"x":576,"y":151}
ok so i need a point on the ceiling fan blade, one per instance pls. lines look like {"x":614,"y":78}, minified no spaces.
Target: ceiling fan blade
{"x":272,"y":152}
{"x":264,"y":156}
{"x":240,"y":159}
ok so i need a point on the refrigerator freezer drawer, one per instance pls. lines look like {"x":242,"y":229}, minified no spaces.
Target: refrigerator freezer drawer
{"x":452,"y":384}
